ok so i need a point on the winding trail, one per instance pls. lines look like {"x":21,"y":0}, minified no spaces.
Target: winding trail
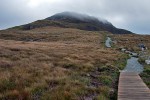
{"x":131,"y":86}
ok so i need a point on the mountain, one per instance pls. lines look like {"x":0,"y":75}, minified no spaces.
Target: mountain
{"x":75,"y":20}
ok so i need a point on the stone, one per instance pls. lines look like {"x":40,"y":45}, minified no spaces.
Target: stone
{"x":147,"y":62}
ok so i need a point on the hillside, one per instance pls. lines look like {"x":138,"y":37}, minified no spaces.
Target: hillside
{"x":64,"y":63}
{"x":74,"y":20}
{"x":57,"y":63}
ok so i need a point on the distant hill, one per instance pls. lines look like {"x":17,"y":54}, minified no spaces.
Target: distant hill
{"x":74,"y":20}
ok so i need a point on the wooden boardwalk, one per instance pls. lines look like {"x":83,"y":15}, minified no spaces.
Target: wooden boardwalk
{"x":132,"y":87}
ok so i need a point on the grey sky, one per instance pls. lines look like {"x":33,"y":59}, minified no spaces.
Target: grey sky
{"x":128,"y":14}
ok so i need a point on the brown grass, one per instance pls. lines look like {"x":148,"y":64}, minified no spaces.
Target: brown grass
{"x":131,"y":42}
{"x":61,"y":66}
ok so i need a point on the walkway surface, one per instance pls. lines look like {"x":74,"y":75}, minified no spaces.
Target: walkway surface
{"x":132,"y":87}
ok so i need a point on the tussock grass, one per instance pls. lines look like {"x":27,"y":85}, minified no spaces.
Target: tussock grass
{"x":56,"y":63}
{"x":131,"y":41}
{"x":146,"y":75}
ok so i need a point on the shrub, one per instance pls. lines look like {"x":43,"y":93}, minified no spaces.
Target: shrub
{"x":7,"y":85}
{"x":37,"y":92}
{"x":106,"y":80}
{"x":70,"y":66}
{"x":146,"y":75}
{"x":101,"y":97}
{"x":141,"y":60}
{"x":104,"y":90}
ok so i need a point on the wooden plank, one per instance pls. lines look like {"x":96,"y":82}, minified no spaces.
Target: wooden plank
{"x":132,"y":87}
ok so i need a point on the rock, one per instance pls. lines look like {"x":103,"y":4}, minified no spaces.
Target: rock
{"x":147,"y":62}
{"x":114,"y":42}
{"x":111,"y":92}
{"x":88,"y":75}
{"x":123,"y":50}
{"x":134,"y":54}
{"x":94,"y":75}
{"x":128,"y":52}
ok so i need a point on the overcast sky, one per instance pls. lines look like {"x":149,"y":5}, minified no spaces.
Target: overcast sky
{"x":133,"y":15}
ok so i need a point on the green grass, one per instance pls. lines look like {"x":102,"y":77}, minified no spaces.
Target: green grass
{"x":141,"y":60}
{"x":7,"y":85}
{"x":146,"y":75}
{"x":106,"y":80}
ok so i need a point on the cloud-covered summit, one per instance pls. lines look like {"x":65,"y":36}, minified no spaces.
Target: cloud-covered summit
{"x":79,"y":16}
{"x":74,"y":20}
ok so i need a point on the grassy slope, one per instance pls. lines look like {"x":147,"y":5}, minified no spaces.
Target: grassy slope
{"x":66,"y":64}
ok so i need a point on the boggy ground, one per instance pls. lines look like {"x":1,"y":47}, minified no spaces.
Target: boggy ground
{"x":57,"y":64}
